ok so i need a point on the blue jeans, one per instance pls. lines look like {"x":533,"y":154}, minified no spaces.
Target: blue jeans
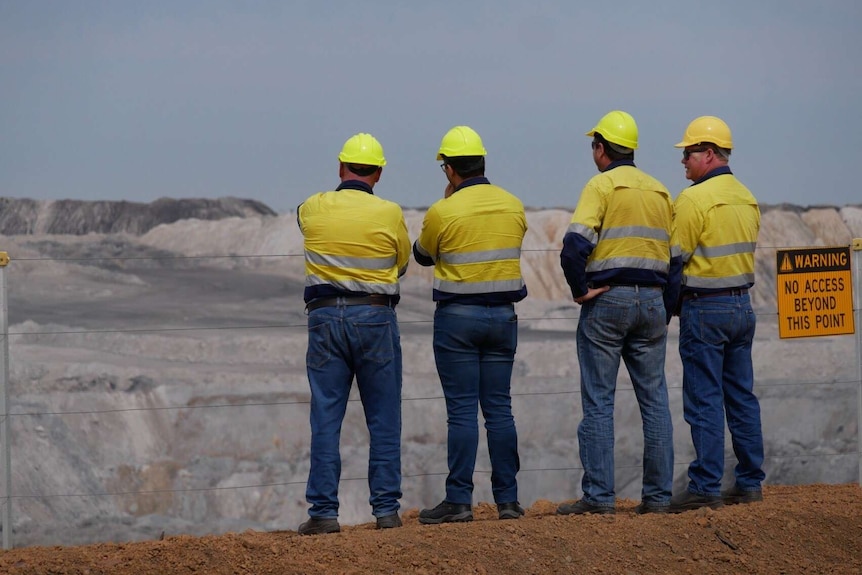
{"x":630,"y":323}
{"x":364,"y":341}
{"x":474,"y":348}
{"x":715,"y":339}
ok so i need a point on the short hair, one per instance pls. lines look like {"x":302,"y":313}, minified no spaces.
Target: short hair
{"x":723,"y":152}
{"x":716,"y":149}
{"x":466,"y":166}
{"x":614,"y":151}
{"x":362,"y":170}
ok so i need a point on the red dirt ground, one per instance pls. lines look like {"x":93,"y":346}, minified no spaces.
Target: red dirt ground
{"x":811,"y":529}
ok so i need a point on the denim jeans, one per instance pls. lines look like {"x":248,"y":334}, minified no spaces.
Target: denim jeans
{"x":474,"y":348}
{"x":343,"y":342}
{"x":625,"y":322}
{"x":715,"y":339}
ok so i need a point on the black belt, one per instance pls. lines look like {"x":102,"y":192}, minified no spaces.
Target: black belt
{"x":726,"y":292}
{"x":373,"y":299}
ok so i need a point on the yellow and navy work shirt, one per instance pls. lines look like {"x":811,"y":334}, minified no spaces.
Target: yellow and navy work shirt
{"x":355,"y":243}
{"x":620,"y":234}
{"x":716,"y":223}
{"x":473,"y":239}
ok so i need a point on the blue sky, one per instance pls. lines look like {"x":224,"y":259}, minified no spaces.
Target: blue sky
{"x":141,"y":100}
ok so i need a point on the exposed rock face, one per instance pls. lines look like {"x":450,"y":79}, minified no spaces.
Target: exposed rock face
{"x":75,"y":217}
{"x":159,"y":376}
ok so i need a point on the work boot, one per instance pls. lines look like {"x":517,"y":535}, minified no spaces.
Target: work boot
{"x":447,"y":513}
{"x":389,"y":521}
{"x":646,"y":507}
{"x":580,"y":507}
{"x":319,"y":525}
{"x":736,"y":495}
{"x":509,"y":510}
{"x":688,"y":501}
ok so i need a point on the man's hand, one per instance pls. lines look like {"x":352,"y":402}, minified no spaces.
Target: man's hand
{"x":591,"y":293}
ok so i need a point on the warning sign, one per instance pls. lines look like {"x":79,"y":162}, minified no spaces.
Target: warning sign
{"x":815,"y":292}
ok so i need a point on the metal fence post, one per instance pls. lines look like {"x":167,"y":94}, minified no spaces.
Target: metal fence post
{"x":5,"y":441}
{"x":857,"y":306}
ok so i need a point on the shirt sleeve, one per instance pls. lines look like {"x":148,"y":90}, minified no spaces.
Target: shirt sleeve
{"x":425,"y":249}
{"x":403,"y":244}
{"x":581,"y":238}
{"x":687,"y":227}
{"x":299,"y":215}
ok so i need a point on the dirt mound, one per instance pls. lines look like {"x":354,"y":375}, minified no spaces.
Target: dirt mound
{"x":803,"y":529}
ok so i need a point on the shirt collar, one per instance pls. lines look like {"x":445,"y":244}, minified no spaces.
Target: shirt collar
{"x":472,"y":182}
{"x":618,"y":163}
{"x":355,"y":185}
{"x":716,"y":172}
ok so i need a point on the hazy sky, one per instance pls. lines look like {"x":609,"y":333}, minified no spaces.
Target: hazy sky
{"x":137,"y":100}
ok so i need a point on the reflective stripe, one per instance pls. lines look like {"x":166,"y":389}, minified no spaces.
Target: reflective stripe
{"x":725,"y":250}
{"x":350,"y":261}
{"x":629,"y":262}
{"x":635,"y":232}
{"x":353,"y":285}
{"x":675,"y":251}
{"x":716,"y":283}
{"x":587,"y":233}
{"x":481,"y":256}
{"x":478,"y":287}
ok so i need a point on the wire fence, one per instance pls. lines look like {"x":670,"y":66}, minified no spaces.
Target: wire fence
{"x":569,"y":387}
{"x":12,"y":414}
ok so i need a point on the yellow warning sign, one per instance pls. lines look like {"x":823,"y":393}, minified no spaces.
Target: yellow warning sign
{"x":815,"y":292}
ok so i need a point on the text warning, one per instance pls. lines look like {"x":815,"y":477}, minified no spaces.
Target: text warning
{"x":815,"y":294}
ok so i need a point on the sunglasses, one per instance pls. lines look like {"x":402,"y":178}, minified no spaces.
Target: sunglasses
{"x":686,"y":154}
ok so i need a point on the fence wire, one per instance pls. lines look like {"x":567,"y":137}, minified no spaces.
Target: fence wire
{"x":303,"y":325}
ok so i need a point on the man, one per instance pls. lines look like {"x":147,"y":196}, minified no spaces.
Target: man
{"x":473,"y":238}
{"x":617,"y":261}
{"x":356,"y":249}
{"x":716,"y":225}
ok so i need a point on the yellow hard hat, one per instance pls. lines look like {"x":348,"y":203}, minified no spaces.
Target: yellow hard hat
{"x":707,"y":129}
{"x":362,"y":149}
{"x":461,"y":141}
{"x":617,"y":127}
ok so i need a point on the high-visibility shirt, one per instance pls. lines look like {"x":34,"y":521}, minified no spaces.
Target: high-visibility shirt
{"x":355,"y":243}
{"x":620,"y":233}
{"x":473,"y":239}
{"x":716,"y":224}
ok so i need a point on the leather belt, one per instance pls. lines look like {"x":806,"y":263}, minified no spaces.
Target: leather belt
{"x":636,"y":287}
{"x":726,"y":292}
{"x":488,"y":304}
{"x":373,"y":299}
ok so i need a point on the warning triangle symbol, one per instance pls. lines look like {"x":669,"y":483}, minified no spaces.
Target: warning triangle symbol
{"x":786,"y":266}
